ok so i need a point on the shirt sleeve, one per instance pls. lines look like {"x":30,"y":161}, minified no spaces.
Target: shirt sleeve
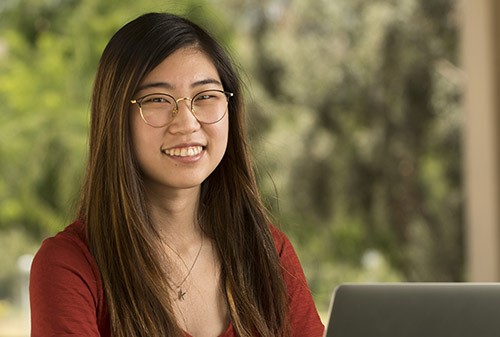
{"x":304,"y":317}
{"x":64,"y":290}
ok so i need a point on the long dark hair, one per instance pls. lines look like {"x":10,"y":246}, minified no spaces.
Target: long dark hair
{"x":119,"y":230}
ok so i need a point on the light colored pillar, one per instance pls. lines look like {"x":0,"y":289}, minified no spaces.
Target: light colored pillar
{"x":481,"y":64}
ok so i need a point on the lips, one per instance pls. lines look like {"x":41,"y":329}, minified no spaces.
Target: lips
{"x":188,"y":151}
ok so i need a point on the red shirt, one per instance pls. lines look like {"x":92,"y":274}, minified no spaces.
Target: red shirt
{"x":67,"y":297}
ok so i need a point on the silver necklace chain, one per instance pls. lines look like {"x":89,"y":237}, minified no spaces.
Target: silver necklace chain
{"x":180,"y":292}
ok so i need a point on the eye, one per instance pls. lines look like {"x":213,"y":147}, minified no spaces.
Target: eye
{"x":204,"y":97}
{"x":157,"y":99}
{"x":208,"y":97}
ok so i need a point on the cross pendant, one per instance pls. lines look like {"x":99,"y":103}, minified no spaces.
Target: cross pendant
{"x":180,"y":294}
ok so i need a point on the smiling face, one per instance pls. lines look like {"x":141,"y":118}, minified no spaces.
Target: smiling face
{"x":182,"y":154}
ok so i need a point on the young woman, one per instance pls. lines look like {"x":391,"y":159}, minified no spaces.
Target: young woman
{"x":172,"y":238}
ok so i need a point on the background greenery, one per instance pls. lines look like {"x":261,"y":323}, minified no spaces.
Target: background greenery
{"x":353,"y":109}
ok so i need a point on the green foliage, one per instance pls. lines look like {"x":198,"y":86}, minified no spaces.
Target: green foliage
{"x":353,"y":108}
{"x":359,"y":121}
{"x":48,"y":57}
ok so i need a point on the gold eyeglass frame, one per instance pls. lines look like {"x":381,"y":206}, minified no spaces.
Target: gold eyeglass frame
{"x":139,"y":100}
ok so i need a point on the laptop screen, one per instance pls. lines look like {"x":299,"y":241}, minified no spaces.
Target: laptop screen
{"x":415,"y":310}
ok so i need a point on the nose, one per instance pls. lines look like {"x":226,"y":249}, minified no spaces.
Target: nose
{"x":184,"y":120}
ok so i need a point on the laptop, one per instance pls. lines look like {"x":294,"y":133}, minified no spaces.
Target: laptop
{"x":415,"y":310}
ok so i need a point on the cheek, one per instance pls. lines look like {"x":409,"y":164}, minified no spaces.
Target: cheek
{"x":142,"y":139}
{"x":222,"y":133}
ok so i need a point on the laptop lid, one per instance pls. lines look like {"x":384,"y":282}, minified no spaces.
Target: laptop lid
{"x":415,"y":310}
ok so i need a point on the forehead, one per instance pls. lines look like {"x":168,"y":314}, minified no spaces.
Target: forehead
{"x":186,"y":67}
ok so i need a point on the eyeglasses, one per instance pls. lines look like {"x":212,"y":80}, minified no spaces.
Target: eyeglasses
{"x":159,"y":110}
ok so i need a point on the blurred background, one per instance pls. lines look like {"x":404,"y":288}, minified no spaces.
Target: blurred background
{"x":355,"y":111}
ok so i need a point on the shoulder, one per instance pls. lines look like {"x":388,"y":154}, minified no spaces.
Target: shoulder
{"x":290,"y":264}
{"x":65,"y":286}
{"x":304,"y":317}
{"x":66,"y":250}
{"x":280,"y":239}
{"x":284,"y":248}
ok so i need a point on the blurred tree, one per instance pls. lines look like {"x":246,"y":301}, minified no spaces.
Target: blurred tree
{"x":353,"y":110}
{"x":357,"y":115}
{"x":49,"y":51}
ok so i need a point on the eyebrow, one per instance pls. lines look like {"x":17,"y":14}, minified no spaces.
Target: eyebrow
{"x":166,"y":85}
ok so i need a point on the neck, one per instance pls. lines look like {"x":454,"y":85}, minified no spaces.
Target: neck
{"x":176,"y":216}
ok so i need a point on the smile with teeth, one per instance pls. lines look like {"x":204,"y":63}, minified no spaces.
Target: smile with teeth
{"x":184,"y":151}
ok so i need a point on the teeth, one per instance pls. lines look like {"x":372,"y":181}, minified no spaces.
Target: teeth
{"x":184,"y":152}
